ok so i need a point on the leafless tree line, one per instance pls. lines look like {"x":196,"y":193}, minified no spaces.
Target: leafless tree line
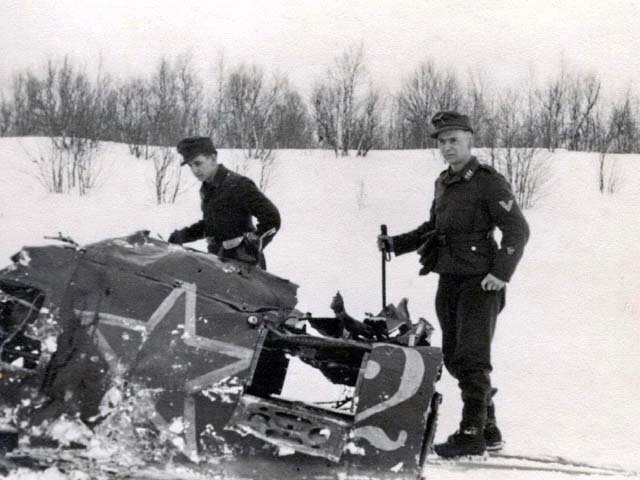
{"x":243,"y":106}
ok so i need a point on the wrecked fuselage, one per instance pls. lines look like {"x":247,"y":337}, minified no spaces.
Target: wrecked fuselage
{"x":212,"y":342}
{"x":385,"y":414}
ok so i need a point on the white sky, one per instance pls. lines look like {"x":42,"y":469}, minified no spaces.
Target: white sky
{"x":507,"y":40}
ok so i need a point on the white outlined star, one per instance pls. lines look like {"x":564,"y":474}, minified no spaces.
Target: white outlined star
{"x":190,"y":338}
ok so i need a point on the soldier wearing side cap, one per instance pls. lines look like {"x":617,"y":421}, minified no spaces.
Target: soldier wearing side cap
{"x":471,"y":200}
{"x":229,"y":203}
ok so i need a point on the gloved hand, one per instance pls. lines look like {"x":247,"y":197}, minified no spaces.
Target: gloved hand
{"x":176,"y":237}
{"x":385,"y":243}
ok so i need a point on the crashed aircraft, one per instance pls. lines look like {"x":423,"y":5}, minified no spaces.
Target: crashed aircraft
{"x":217,"y":344}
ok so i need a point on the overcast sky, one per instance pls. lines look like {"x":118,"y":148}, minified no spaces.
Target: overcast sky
{"x":507,"y":40}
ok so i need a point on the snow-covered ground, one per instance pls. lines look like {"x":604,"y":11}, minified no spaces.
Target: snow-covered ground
{"x":567,"y":346}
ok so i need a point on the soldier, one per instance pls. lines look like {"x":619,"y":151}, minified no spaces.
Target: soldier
{"x":229,"y":201}
{"x":471,"y":199}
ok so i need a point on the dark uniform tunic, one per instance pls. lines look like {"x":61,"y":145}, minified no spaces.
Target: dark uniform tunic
{"x":229,"y":202}
{"x":468,"y":205}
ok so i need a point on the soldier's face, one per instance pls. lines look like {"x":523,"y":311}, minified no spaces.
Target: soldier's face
{"x":203,"y":167}
{"x":455,"y":147}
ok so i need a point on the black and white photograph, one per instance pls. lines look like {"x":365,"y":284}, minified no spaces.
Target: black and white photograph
{"x":323,"y":240}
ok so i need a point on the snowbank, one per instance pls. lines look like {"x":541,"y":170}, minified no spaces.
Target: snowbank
{"x":567,"y":347}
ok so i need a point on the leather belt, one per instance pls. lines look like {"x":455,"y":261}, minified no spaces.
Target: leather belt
{"x":453,"y":238}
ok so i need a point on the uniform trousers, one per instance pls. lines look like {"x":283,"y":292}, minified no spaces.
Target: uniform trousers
{"x":467,"y":316}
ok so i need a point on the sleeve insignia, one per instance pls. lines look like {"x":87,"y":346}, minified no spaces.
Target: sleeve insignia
{"x":511,"y":250}
{"x":506,"y":205}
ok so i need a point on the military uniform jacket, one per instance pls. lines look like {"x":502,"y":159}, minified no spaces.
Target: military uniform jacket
{"x":229,"y":202}
{"x":466,"y":208}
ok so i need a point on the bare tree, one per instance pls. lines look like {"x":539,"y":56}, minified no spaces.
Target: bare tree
{"x":609,"y":176}
{"x":163,"y":111}
{"x":582,"y":97}
{"x":266,"y":164}
{"x":167,"y":174}
{"x":348,"y":77}
{"x":367,"y":130}
{"x":417,"y":103}
{"x":23,"y":115}
{"x":52,"y":167}
{"x":552,"y":101}
{"x":214,"y":114}
{"x":6,"y":116}
{"x":249,"y":105}
{"x":190,"y":96}
{"x":526,"y":167}
{"x":395,"y":132}
{"x":173,"y":98}
{"x":477,"y":103}
{"x":132,"y":117}
{"x":338,"y":101}
{"x":245,"y":114}
{"x":162,"y":105}
{"x":291,"y":122}
{"x":67,"y":164}
{"x":426,"y":91}
{"x":325,"y":100}
{"x":616,"y":134}
{"x":68,"y":107}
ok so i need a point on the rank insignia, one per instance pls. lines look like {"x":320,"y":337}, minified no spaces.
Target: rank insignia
{"x":506,"y":205}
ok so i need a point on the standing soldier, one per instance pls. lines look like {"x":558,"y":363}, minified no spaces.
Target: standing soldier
{"x":229,"y":201}
{"x":471,"y":199}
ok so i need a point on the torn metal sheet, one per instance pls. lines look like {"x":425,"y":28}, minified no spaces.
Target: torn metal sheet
{"x":389,"y":418}
{"x":135,"y":311}
{"x":204,"y":351}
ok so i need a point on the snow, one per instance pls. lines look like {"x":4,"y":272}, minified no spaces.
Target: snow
{"x":567,"y":347}
{"x":49,"y":474}
{"x":67,"y":431}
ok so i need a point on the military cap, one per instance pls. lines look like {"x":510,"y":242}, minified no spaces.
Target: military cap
{"x":191,"y":147}
{"x":445,"y":121}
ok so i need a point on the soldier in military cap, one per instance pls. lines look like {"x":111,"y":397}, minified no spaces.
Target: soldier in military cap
{"x":471,"y":200}
{"x":229,"y":203}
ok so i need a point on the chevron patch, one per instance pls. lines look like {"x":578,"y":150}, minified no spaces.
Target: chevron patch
{"x":506,"y":205}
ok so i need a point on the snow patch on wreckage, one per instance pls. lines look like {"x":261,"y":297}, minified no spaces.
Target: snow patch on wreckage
{"x":173,"y":348}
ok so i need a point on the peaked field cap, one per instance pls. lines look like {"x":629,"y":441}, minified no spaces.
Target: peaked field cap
{"x":445,"y":121}
{"x":191,"y":147}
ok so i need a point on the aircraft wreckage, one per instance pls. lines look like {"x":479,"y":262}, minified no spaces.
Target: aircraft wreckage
{"x":215,"y":343}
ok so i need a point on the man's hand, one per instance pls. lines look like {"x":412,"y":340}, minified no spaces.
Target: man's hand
{"x":491,"y":282}
{"x":385,"y":243}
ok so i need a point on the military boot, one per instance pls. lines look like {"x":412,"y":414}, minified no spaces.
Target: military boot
{"x":468,"y":441}
{"x":492,"y":434}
